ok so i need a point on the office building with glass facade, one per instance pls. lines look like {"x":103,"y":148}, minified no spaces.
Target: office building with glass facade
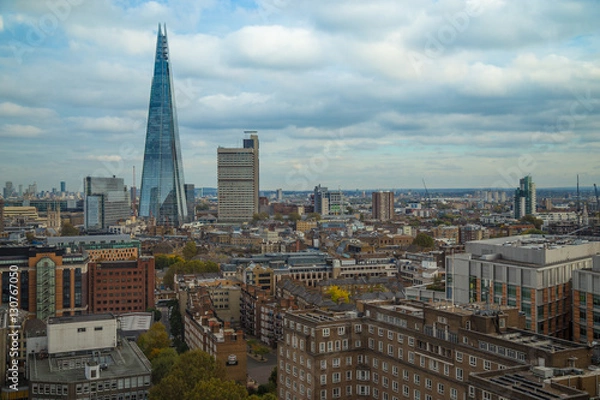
{"x":162,"y":193}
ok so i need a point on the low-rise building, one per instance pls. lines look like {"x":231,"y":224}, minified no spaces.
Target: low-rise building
{"x":86,"y":358}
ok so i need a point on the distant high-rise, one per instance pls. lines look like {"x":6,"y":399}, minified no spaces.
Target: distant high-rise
{"x":190,"y":199}
{"x":63,"y":186}
{"x":162,"y":194}
{"x":106,"y":202}
{"x":327,"y":202}
{"x":383,"y":206}
{"x":525,"y":198}
{"x":1,"y":216}
{"x":238,"y":181}
{"x":8,"y":190}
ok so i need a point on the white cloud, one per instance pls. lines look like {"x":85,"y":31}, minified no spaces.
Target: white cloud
{"x":19,"y":131}
{"x":306,"y":75}
{"x":104,"y":158}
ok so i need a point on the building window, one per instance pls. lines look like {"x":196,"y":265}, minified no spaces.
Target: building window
{"x":325,"y":332}
{"x":453,"y":393}
{"x":440,"y":388}
{"x":472,"y":361}
{"x":459,"y":374}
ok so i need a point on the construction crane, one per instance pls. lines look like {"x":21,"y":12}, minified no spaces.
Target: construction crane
{"x":597,"y":198}
{"x":427,"y":200}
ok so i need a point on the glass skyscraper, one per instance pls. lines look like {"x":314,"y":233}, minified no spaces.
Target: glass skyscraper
{"x":162,"y":193}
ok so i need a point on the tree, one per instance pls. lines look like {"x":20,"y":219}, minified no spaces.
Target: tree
{"x":423,"y":240}
{"x":153,"y":341}
{"x":533,"y":232}
{"x":190,"y":368}
{"x":294,"y":217}
{"x":156,"y":312}
{"x":190,"y":250}
{"x":338,"y":294}
{"x":531,"y":219}
{"x":260,"y":217}
{"x":162,"y":261}
{"x":188,"y":267}
{"x":217,"y":389}
{"x":273,"y":376}
{"x":162,"y":364}
{"x":176,"y":321}
{"x":68,"y":230}
{"x":278,"y":217}
{"x":252,"y":343}
{"x":261,"y":351}
{"x":314,"y":216}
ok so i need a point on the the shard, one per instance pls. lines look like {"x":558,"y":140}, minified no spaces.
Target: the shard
{"x":162,"y":193}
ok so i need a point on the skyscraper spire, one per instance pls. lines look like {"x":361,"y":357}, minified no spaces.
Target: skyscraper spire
{"x":162,"y":193}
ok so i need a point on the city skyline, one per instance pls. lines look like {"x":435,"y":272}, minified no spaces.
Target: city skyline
{"x":472,"y":94}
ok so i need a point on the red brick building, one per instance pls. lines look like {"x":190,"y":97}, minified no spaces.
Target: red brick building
{"x":121,"y":286}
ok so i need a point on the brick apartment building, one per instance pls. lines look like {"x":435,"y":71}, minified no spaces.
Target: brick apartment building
{"x":121,"y":286}
{"x":420,"y":351}
{"x":204,"y":331}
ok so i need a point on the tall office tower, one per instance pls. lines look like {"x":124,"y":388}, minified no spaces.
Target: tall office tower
{"x":106,"y":202}
{"x":525,"y":199}
{"x":279,"y":194}
{"x":63,"y":186}
{"x":162,"y":193}
{"x":190,"y":200}
{"x":383,"y":206}
{"x":238,"y":180}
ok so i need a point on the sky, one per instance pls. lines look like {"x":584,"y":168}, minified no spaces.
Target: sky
{"x":344,"y":93}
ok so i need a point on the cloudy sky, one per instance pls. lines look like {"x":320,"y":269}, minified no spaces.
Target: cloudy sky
{"x":345,"y":93}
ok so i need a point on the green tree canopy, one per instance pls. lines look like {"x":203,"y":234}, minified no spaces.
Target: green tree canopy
{"x":531,"y":219}
{"x":314,"y":216}
{"x":263,"y":216}
{"x":533,"y":232}
{"x":162,"y":261}
{"x":190,"y":250}
{"x":153,"y":341}
{"x":217,"y":389}
{"x":190,"y":368}
{"x":68,"y":229}
{"x":294,"y":217}
{"x":423,"y":240}
{"x":189,"y":267}
{"x":162,"y":364}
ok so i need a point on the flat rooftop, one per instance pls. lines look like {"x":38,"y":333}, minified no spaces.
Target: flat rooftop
{"x":80,"y":318}
{"x":521,"y":382}
{"x":125,"y":360}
